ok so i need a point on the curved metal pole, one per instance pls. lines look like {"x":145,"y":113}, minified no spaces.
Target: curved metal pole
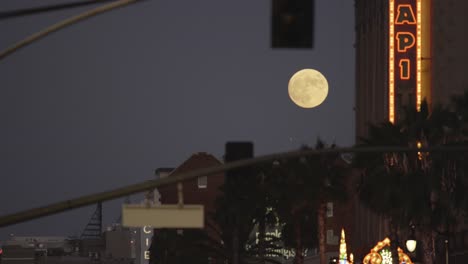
{"x":48,"y":8}
{"x":64,"y":23}
{"x":151,"y":184}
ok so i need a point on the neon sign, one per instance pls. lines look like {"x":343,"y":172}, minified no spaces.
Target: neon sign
{"x":404,"y":51}
{"x":381,"y":254}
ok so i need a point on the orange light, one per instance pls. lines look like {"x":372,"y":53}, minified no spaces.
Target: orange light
{"x":401,"y":47}
{"x":419,"y":145}
{"x":391,"y":70}
{"x":418,"y":57}
{"x":404,"y":41}
{"x":405,"y":69}
{"x":406,"y":21}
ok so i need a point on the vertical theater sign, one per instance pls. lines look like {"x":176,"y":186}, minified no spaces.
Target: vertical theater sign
{"x":404,"y":53}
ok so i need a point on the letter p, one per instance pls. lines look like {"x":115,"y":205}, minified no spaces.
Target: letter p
{"x":405,"y":41}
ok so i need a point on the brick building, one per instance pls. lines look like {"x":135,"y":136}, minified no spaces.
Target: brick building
{"x":202,"y":190}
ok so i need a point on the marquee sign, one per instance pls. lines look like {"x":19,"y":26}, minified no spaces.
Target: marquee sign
{"x":404,"y":51}
{"x":382,"y":254}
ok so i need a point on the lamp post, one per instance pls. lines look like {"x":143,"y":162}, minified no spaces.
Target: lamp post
{"x":446,"y":251}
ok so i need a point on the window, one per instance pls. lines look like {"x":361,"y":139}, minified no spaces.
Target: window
{"x":202,"y":182}
{"x":329,"y":209}
{"x":331,"y":238}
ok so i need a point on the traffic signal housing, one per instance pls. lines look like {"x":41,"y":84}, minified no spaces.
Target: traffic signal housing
{"x":292,"y":24}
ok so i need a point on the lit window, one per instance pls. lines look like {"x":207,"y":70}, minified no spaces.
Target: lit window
{"x":202,"y":182}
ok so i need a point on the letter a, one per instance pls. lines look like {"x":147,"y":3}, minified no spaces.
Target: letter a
{"x":405,"y":15}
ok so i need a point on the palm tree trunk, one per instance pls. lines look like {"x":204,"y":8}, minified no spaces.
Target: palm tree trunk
{"x":322,"y":232}
{"x":427,"y":246}
{"x":261,"y":238}
{"x":235,"y":245}
{"x":298,"y":258}
{"x":394,"y":242}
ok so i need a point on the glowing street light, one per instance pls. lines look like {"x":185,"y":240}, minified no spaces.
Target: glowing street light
{"x":411,"y":243}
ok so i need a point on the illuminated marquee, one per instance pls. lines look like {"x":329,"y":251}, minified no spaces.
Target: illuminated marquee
{"x":279,"y":251}
{"x":404,"y":51}
{"x":381,"y":254}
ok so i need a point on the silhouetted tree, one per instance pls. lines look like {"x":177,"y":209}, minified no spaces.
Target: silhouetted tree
{"x":415,"y":187}
{"x":308,"y":183}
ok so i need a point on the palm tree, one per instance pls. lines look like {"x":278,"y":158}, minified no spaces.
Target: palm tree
{"x":332,"y":187}
{"x":295,"y":207}
{"x":244,"y":206}
{"x":265,"y":215}
{"x":307,"y":184}
{"x":412,"y":187}
{"x":235,"y":217}
{"x":459,"y":105}
{"x":227,"y":237}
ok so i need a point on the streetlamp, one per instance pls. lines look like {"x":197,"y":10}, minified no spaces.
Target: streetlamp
{"x":446,"y":251}
{"x":411,"y":243}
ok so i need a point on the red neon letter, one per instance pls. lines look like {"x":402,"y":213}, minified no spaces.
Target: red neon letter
{"x":404,"y":69}
{"x":405,"y":15}
{"x":405,"y":41}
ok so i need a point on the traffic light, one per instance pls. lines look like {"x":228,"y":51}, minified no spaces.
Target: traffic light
{"x":292,"y":24}
{"x":238,"y":151}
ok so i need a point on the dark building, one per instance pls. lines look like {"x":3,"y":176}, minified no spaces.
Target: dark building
{"x":435,"y":61}
{"x":406,"y":51}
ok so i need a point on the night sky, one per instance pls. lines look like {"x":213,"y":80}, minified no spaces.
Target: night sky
{"x":103,"y":103}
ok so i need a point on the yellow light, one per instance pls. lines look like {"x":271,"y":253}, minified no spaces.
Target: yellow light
{"x":391,"y":85}
{"x":411,"y":245}
{"x":419,"y":145}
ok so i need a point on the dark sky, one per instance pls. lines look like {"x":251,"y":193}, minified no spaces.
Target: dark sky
{"x":103,"y":103}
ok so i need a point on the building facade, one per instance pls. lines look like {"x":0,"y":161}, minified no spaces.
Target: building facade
{"x":407,"y":51}
{"x":202,"y":191}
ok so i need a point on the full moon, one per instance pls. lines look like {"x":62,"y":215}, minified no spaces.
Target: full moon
{"x":308,"y":88}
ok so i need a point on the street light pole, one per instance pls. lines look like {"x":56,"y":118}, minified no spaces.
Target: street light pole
{"x":446,"y":252}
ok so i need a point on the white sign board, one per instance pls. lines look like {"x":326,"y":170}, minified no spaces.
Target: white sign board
{"x":163,"y":216}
